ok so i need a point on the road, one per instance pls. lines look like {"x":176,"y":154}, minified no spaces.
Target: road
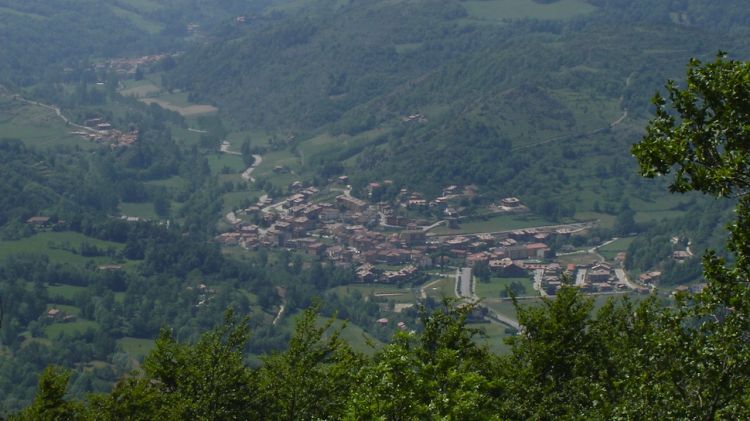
{"x":623,"y":278}
{"x":581,"y":277}
{"x":247,"y":174}
{"x":429,"y":227}
{"x":423,"y":290}
{"x":465,"y":289}
{"x":224,"y":148}
{"x":278,"y":315}
{"x":56,"y":111}
{"x":538,"y":275}
{"x":463,"y":283}
{"x":576,"y":226}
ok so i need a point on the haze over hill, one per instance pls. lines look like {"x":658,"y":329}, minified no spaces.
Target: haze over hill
{"x":162,"y":161}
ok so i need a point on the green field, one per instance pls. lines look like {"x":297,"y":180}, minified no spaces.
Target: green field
{"x":498,"y":10}
{"x":136,"y":347}
{"x":152,"y":27}
{"x":446,"y":288}
{"x":380,"y":291}
{"x":80,"y":325}
{"x":140,"y":210}
{"x":68,"y":292}
{"x":496,"y":286}
{"x":172,"y":183}
{"x":236,"y":199}
{"x":52,"y":243}
{"x":36,"y":126}
{"x":494,"y":224}
{"x":610,"y":250}
{"x":219,"y":161}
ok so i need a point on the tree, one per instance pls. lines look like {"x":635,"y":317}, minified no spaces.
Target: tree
{"x":482,"y":271}
{"x":704,"y":139}
{"x":49,"y":403}
{"x":311,"y":380}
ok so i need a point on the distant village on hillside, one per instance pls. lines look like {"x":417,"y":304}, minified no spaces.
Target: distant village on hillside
{"x":385,"y":246}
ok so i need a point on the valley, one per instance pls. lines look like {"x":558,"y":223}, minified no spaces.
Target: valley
{"x":377,"y":161}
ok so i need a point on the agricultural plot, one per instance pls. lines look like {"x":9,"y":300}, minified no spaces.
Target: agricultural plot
{"x":79,"y":326}
{"x":60,"y":247}
{"x":385,"y":291}
{"x":610,"y":250}
{"x":499,"y":10}
{"x":136,"y":347}
{"x":36,"y":126}
{"x":443,"y":288}
{"x":494,"y":224}
{"x":139,"y":210}
{"x":67,"y":292}
{"x":497,"y":286}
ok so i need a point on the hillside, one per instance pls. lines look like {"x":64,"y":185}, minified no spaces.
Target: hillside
{"x":40,"y":38}
{"x":532,"y":101}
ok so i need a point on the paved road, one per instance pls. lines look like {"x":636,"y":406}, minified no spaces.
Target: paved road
{"x":538,"y":275}
{"x":581,"y":277}
{"x":465,"y":289}
{"x":623,"y":278}
{"x":463,"y":283}
{"x":577,"y":226}
{"x":429,"y":227}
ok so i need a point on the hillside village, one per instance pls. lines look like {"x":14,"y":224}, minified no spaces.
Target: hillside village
{"x":386,"y":245}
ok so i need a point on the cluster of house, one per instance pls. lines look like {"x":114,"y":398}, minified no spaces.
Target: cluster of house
{"x":342,"y":231}
{"x":58,"y":315}
{"x":204,"y":294}
{"x":99,"y":130}
{"x":370,"y":273}
{"x":128,"y":66}
{"x":414,"y":118}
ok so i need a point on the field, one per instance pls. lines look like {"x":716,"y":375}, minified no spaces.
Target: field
{"x":220,"y":161}
{"x":80,"y":325}
{"x":65,"y":291}
{"x":56,"y":246}
{"x":498,"y":10}
{"x":494,"y":224}
{"x":172,"y":183}
{"x":36,"y":126}
{"x":237,"y":199}
{"x":496,"y":286}
{"x":140,"y":210}
{"x":390,"y":292}
{"x":149,"y":91}
{"x":136,"y":347}
{"x":441,"y":289}
{"x":610,"y":250}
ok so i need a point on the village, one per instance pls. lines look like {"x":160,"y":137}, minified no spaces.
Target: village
{"x":387,"y":246}
{"x":98,"y":130}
